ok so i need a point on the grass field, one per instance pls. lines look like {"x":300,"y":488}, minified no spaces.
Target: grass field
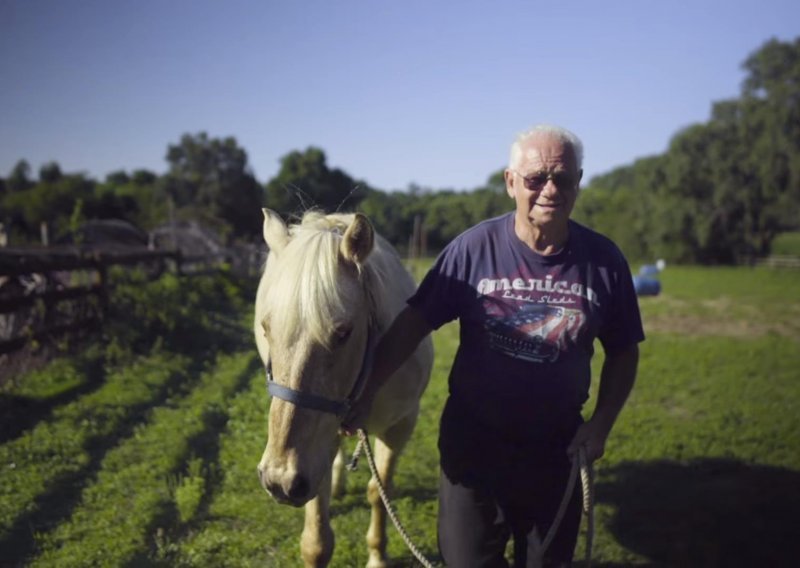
{"x":787,"y":243}
{"x":152,"y":463}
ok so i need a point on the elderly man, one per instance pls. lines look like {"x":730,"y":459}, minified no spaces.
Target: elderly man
{"x":532,"y":289}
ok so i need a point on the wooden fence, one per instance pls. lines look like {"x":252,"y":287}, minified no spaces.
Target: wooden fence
{"x":33,"y":282}
{"x":779,"y":261}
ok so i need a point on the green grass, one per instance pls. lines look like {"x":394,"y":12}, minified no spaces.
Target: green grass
{"x":787,"y":243}
{"x":712,"y":403}
{"x":49,"y":460}
{"x":702,"y":468}
{"x":142,"y":476}
{"x":703,"y":465}
{"x":241,"y":526}
{"x":725,"y":301}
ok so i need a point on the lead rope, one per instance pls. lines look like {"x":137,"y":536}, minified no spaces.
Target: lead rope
{"x":581,"y":464}
{"x":363,"y":443}
{"x":587,"y":475}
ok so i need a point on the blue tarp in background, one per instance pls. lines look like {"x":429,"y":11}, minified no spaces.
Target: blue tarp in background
{"x":646,"y":283}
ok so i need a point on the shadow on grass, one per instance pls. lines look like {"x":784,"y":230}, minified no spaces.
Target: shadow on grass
{"x":709,"y":512}
{"x":205,"y":445}
{"x":56,"y":504}
{"x":21,"y":413}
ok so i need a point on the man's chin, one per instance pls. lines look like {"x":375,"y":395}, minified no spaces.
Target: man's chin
{"x":547,"y":217}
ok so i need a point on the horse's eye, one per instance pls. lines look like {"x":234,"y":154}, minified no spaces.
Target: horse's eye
{"x":342,"y":334}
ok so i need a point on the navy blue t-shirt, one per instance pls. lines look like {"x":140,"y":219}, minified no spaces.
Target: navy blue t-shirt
{"x":528,"y":322}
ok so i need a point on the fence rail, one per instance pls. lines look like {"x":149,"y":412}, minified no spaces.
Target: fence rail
{"x":19,"y":261}
{"x":780,"y":261}
{"x":33,"y":281}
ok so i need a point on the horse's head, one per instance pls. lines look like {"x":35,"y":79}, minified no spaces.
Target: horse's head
{"x":312,"y":326}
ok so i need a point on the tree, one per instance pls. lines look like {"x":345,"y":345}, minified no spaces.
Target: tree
{"x":20,"y":177}
{"x":48,"y":201}
{"x":143,"y":177}
{"x":209,"y":177}
{"x":50,"y":172}
{"x":305,"y":181}
{"x":497,"y":182}
{"x":771,"y":98}
{"x":388,"y":212}
{"x":137,"y":198}
{"x":724,"y":188}
{"x":118,"y":178}
{"x":622,"y":204}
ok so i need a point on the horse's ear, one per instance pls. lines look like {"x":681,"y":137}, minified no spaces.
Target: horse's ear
{"x":358,"y":240}
{"x":276,"y":234}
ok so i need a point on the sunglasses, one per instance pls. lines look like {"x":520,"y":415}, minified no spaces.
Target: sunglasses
{"x":562,"y":180}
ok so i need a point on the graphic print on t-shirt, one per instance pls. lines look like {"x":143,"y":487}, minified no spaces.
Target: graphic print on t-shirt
{"x":536,"y":333}
{"x":533,"y":320}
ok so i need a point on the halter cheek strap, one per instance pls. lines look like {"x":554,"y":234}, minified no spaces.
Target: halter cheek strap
{"x":339,"y":408}
{"x":306,"y":400}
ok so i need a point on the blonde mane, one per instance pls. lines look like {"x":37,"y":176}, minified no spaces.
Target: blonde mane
{"x":305,"y":279}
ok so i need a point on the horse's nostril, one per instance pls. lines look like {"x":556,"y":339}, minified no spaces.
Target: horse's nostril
{"x":299,"y":488}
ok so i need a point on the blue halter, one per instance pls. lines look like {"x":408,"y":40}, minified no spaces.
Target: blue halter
{"x":339,"y":408}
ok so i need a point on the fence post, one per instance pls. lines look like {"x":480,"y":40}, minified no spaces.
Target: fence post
{"x":102,"y":273}
{"x":178,"y":263}
{"x":44,"y":233}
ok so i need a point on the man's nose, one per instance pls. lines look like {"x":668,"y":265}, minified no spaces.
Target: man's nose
{"x":549,"y":187}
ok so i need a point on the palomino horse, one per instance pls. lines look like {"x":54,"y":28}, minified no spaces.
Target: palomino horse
{"x":330,"y":287}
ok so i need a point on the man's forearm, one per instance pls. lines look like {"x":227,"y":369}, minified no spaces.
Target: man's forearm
{"x":616,"y":382}
{"x":396,"y":346}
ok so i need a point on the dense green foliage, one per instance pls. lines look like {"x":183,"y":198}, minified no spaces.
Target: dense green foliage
{"x":182,"y":315}
{"x":725,"y":188}
{"x":443,"y":214}
{"x":721,"y":193}
{"x":306,"y":181}
{"x":209,"y":179}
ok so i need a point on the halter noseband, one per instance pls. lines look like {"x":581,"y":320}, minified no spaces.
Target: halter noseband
{"x":340,"y":408}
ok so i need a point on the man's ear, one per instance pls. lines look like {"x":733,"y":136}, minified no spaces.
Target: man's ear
{"x":508,"y":175}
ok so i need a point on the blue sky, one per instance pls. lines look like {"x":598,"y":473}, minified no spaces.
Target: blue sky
{"x":394,"y":92}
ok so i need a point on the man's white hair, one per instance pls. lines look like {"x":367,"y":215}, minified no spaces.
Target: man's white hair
{"x":562,"y":134}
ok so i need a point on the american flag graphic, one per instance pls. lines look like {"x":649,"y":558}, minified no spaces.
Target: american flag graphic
{"x":536,"y":333}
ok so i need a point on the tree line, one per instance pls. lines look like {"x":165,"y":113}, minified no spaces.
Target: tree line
{"x":724,"y":188}
{"x":720,"y":193}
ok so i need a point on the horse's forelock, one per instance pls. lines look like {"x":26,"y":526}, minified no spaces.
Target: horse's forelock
{"x":317,"y":221}
{"x":303,"y":290}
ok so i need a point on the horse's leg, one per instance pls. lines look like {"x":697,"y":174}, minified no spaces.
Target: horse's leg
{"x":338,"y":474}
{"x":387,"y":452}
{"x":316,"y":542}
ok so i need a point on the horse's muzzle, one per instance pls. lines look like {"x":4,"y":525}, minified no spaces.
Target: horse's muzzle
{"x":286,"y":489}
